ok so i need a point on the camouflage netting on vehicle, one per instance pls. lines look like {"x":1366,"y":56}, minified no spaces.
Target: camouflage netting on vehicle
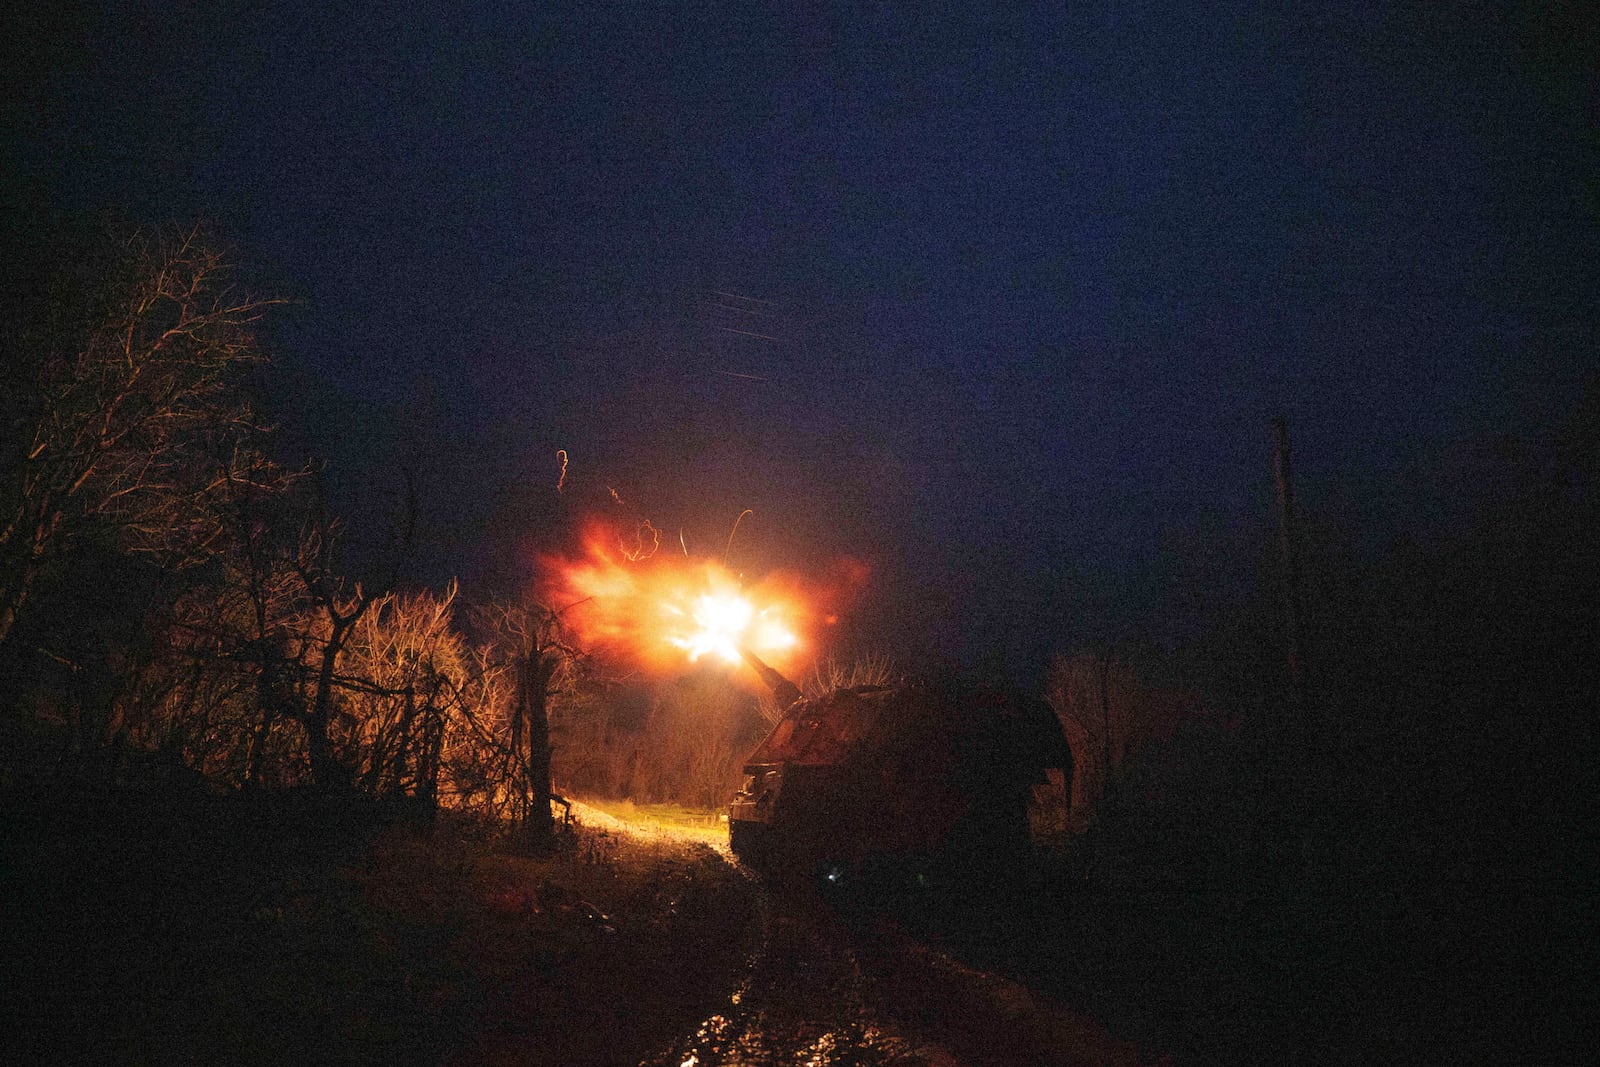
{"x":869,"y":772}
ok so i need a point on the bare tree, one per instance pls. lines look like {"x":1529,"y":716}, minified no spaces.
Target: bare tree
{"x":337,"y":606}
{"x":539,"y":662}
{"x":129,"y":385}
{"x":265,"y":637}
{"x":234,"y":639}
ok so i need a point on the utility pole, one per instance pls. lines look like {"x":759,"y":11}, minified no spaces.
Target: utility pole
{"x":1105,"y":717}
{"x":1300,"y":766}
{"x":1283,"y":470}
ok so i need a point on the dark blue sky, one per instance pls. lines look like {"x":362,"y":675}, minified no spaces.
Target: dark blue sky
{"x":1029,"y":285}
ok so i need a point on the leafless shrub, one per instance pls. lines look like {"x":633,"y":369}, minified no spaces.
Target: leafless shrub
{"x":686,"y":748}
{"x":875,"y":668}
{"x":1108,"y":715}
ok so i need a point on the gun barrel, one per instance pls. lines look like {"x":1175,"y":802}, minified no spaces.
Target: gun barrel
{"x":784,"y":690}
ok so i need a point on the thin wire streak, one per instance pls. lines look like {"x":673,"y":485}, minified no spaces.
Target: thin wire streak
{"x":727,"y":551}
{"x":750,"y":333}
{"x":561,"y":454}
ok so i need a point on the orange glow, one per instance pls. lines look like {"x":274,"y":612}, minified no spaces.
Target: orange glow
{"x":664,"y":611}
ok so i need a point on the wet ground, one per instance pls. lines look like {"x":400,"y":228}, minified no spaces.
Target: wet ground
{"x":833,"y":980}
{"x":802,"y":1000}
{"x":822,"y":991}
{"x":801,"y":997}
{"x":1036,"y":969}
{"x":141,"y":934}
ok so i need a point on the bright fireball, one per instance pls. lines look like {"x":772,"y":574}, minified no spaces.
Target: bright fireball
{"x":720,"y":623}
{"x":665,"y":609}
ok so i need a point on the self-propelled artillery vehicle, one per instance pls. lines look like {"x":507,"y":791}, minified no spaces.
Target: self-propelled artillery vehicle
{"x":892,"y":778}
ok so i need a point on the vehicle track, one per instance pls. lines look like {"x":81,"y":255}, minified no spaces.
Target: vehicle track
{"x":832,"y":986}
{"x":827,"y":989}
{"x":804,"y":1000}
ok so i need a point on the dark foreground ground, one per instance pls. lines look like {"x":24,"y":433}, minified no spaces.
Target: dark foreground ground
{"x":139,"y":931}
{"x":148,"y":933}
{"x":1332,"y":974}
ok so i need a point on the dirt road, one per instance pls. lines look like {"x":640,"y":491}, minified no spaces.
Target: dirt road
{"x":829,"y":984}
{"x":229,"y":931}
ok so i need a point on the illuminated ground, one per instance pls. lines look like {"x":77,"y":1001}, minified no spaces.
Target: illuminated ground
{"x":660,"y":823}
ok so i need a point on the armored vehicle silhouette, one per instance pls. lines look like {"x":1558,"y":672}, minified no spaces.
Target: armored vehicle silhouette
{"x":876,"y":777}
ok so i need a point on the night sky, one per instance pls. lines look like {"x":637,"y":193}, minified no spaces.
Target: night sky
{"x":998,"y":303}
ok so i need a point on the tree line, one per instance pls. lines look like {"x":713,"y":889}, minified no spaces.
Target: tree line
{"x":174,"y":610}
{"x":176,"y":613}
{"x":1451,"y":677}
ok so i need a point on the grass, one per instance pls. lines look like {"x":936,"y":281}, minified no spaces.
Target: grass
{"x":675,"y":820}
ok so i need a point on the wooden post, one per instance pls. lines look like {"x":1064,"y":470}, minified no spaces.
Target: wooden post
{"x":1301,"y":760}
{"x":1283,"y":469}
{"x":1105,"y":717}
